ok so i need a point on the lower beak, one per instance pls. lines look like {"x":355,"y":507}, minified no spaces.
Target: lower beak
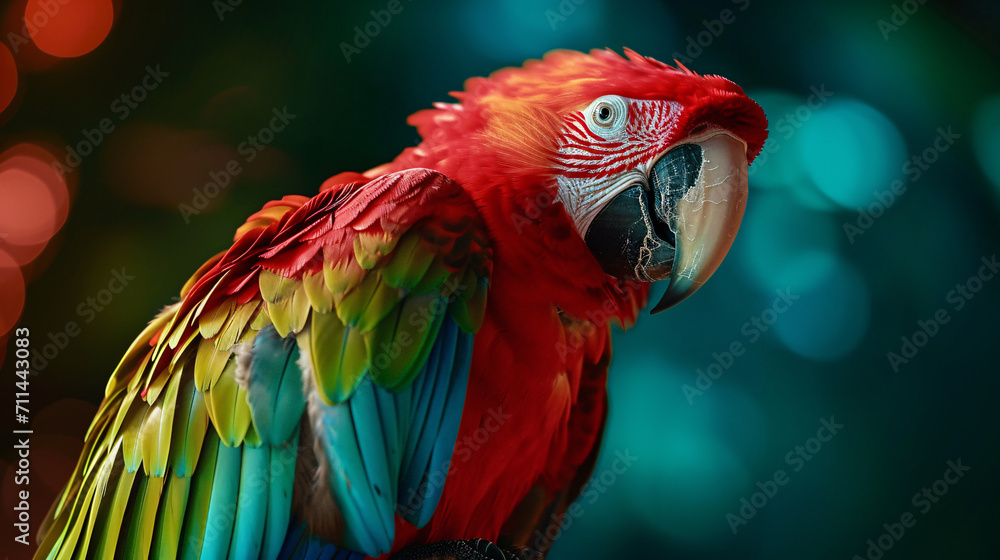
{"x":682,"y":224}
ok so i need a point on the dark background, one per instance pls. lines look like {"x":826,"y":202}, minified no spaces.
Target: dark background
{"x":892,"y":87}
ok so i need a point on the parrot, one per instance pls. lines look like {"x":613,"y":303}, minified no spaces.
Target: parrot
{"x":412,"y":363}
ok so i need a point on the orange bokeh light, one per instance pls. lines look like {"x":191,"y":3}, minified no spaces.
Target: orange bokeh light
{"x":12,"y":288}
{"x":34,"y":201}
{"x":8,"y":77}
{"x":27,"y":210}
{"x":69,"y":29}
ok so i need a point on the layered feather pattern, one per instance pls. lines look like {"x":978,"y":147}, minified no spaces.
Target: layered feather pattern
{"x":369,"y":291}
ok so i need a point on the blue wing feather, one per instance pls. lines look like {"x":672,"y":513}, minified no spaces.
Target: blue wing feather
{"x":444,"y":443}
{"x":389,"y":450}
{"x":251,"y":512}
{"x":439,"y":373}
{"x":299,"y":545}
{"x":349,"y":481}
{"x":222,"y":507}
{"x":372,"y":444}
{"x":274,"y":391}
{"x":281,"y":477}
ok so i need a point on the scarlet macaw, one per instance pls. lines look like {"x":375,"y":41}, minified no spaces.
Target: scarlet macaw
{"x":417,"y":355}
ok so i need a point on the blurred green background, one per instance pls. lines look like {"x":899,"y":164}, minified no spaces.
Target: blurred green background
{"x":872,"y":208}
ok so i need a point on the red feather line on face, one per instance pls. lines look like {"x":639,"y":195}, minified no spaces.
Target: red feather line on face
{"x":587,"y":155}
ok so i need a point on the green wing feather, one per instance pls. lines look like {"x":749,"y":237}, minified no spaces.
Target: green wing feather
{"x":170,"y":516}
{"x":171,"y":456}
{"x":140,"y":533}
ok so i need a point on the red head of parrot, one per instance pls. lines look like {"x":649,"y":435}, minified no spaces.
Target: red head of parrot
{"x":598,"y":169}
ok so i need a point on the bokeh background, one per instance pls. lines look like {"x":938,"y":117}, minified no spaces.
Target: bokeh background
{"x":872,"y":208}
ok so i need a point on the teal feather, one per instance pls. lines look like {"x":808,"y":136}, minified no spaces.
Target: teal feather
{"x":281,"y":475}
{"x":274,"y":391}
{"x":371,"y":438}
{"x":421,"y":391}
{"x":349,"y":482}
{"x":415,"y":479}
{"x":389,"y":451}
{"x":222,"y":507}
{"x":393,"y":436}
{"x":444,"y":444}
{"x":251,"y":509}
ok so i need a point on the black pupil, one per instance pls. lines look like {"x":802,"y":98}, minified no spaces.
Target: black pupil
{"x":604,"y":113}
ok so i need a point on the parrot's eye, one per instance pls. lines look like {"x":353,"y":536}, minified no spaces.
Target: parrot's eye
{"x":607,"y":115}
{"x":604,"y":114}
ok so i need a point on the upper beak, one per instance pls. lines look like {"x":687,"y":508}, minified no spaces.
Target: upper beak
{"x":682,"y":224}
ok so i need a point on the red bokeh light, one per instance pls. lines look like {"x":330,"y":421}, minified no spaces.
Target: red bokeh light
{"x":34,"y":201}
{"x":8,"y":77}
{"x":71,"y":29}
{"x":12,"y":288}
{"x":158,"y":165}
{"x":15,"y":33}
{"x":27,"y":210}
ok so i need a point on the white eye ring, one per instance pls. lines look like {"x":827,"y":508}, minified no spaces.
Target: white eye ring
{"x":607,"y":115}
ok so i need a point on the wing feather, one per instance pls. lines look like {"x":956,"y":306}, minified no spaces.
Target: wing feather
{"x":361,"y":300}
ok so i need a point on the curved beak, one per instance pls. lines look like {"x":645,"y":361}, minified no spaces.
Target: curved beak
{"x":681,"y":225}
